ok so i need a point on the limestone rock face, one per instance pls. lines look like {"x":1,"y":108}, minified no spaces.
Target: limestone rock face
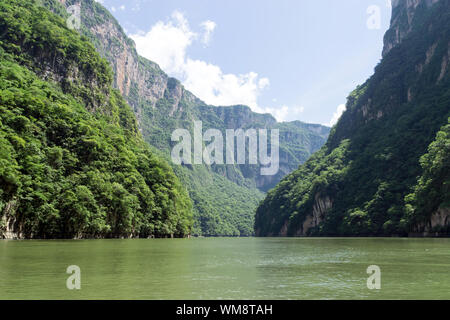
{"x":403,"y":13}
{"x":438,"y":220}
{"x":320,"y":208}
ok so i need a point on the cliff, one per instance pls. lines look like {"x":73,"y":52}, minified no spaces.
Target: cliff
{"x":72,"y":161}
{"x":364,"y":181}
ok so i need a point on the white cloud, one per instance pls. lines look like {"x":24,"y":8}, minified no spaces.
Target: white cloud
{"x":122,"y":7}
{"x":167,"y":42}
{"x":340,"y":110}
{"x":284,"y":113}
{"x":113,"y":9}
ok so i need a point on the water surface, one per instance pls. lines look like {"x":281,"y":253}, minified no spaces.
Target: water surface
{"x":226,"y":268}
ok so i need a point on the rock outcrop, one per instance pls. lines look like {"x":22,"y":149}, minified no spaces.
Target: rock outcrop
{"x":403,"y":13}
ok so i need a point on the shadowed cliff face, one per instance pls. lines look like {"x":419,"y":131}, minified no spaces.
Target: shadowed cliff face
{"x":359,"y":182}
{"x":403,"y":13}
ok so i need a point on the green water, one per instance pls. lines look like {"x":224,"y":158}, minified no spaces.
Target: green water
{"x":223,"y":268}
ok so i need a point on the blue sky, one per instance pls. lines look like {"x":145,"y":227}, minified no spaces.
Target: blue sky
{"x":297,"y":59}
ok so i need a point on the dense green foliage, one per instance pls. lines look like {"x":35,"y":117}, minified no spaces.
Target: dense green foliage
{"x":432,"y":191}
{"x":72,"y":163}
{"x":220,"y":206}
{"x":371,"y":160}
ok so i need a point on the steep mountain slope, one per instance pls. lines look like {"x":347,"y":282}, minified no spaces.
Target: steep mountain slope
{"x":72,"y":162}
{"x":224,"y":196}
{"x":357,"y":183}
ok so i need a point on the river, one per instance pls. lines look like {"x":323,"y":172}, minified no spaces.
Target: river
{"x":226,"y":268}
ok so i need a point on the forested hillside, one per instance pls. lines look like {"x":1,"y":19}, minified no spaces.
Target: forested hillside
{"x":73,"y":163}
{"x":385,"y":167}
{"x":224,"y":197}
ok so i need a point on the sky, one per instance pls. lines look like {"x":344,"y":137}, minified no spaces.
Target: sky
{"x":295,"y":59}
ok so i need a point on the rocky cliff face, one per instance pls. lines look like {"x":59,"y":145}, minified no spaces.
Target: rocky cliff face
{"x":438,"y":220}
{"x":139,"y":80}
{"x":8,"y":229}
{"x":403,"y":13}
{"x":162,"y":104}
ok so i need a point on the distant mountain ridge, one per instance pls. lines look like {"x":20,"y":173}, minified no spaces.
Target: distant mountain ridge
{"x":224,"y":196}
